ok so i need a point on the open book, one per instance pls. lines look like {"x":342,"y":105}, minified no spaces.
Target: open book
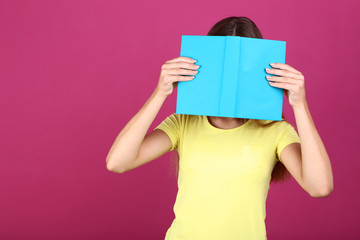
{"x":231,"y":81}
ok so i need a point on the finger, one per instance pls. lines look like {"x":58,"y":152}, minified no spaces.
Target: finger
{"x":282,"y":79}
{"x":174,"y":78}
{"x":286,"y":67}
{"x":184,"y":59}
{"x":184,"y":65}
{"x":179,"y":71}
{"x":286,"y":86}
{"x":283,"y":73}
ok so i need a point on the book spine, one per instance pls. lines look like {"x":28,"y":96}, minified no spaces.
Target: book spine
{"x":240,"y":82}
{"x":230,"y":77}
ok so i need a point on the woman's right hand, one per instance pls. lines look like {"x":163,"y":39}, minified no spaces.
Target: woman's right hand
{"x":172,"y":72}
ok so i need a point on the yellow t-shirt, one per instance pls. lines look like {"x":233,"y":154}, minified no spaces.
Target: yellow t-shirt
{"x":224,"y":177}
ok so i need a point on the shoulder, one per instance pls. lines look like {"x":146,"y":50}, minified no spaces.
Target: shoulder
{"x":179,"y":119}
{"x":269,"y":123}
{"x":283,"y":125}
{"x":277,"y":127}
{"x":278,"y":124}
{"x":285,"y":131}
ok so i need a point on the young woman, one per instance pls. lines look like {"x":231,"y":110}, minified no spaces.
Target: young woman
{"x":226,"y":164}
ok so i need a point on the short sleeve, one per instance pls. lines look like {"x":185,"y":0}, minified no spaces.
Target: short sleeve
{"x":286,"y":134}
{"x":172,"y":127}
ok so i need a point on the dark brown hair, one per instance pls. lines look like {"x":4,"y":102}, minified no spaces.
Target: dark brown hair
{"x":243,"y":27}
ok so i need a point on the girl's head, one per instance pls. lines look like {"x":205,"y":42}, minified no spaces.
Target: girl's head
{"x":235,"y":26}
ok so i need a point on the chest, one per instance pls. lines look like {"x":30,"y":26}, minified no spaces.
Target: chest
{"x":249,"y":152}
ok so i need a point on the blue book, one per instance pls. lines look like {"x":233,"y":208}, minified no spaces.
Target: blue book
{"x":231,"y":81}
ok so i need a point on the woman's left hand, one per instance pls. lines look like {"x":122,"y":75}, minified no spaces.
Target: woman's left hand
{"x":291,"y":80}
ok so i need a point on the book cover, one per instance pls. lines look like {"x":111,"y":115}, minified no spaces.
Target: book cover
{"x":231,"y":79}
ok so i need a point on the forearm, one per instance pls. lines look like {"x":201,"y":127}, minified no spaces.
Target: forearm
{"x":316,"y":166}
{"x":127,"y":144}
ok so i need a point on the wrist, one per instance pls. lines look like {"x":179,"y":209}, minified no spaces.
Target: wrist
{"x":300,"y":106}
{"x":157,"y":94}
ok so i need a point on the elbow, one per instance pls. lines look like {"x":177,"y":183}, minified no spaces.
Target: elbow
{"x":325,"y":192}
{"x":112,"y":167}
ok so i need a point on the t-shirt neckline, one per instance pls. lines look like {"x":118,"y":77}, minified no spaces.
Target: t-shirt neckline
{"x":221,"y":129}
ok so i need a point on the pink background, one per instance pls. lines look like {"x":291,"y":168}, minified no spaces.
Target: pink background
{"x":73,"y":73}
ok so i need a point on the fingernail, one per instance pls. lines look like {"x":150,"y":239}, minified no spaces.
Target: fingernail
{"x":272,"y":64}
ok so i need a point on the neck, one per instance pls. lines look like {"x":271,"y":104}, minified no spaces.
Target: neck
{"x":226,"y":122}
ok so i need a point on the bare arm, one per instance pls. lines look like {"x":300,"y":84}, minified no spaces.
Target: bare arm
{"x":309,"y":161}
{"x":132,"y":147}
{"x":127,"y":144}
{"x":316,"y":165}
